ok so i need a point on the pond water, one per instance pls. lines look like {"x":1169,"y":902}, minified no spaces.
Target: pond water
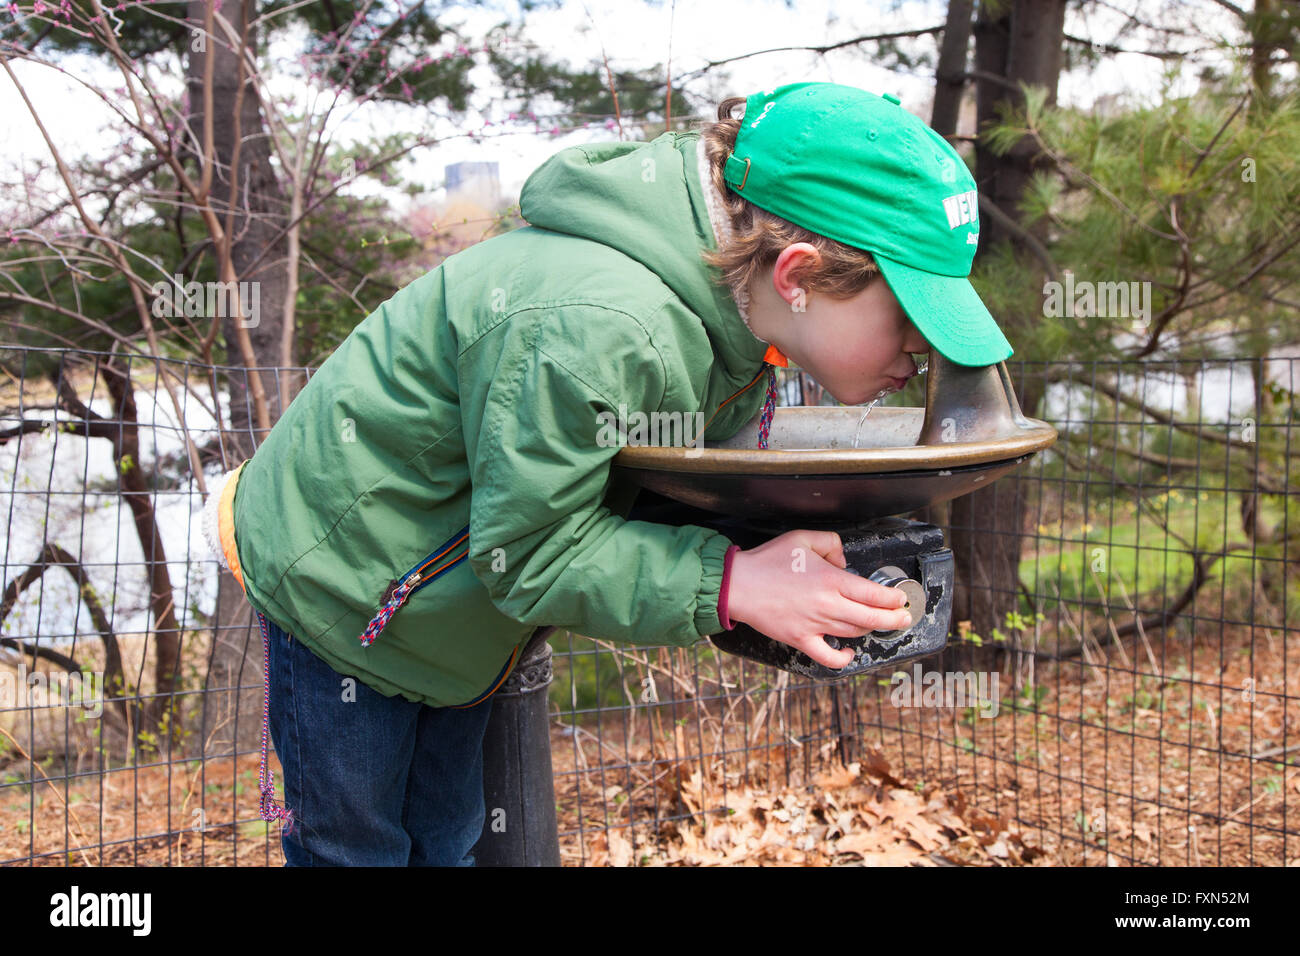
{"x":61,"y":488}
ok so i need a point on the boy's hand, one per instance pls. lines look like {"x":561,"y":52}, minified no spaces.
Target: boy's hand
{"x":795,"y":590}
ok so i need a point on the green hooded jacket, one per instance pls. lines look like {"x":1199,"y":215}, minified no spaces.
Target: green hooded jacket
{"x":446,"y":460}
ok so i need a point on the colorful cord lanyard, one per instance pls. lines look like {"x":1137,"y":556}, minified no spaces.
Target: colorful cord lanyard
{"x":268,"y":809}
{"x":771,"y":360}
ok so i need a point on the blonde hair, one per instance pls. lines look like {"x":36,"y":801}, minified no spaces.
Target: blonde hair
{"x":758,"y":236}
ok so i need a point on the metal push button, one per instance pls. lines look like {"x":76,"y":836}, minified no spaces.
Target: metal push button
{"x":893,"y":577}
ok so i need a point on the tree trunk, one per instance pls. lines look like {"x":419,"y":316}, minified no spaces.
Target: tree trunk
{"x":1021,"y":45}
{"x":1014,"y":43}
{"x":258,"y":215}
{"x":950,"y":80}
{"x":139,"y":498}
{"x":231,"y":716}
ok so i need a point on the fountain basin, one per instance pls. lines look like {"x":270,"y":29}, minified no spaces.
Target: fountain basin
{"x":970,"y":433}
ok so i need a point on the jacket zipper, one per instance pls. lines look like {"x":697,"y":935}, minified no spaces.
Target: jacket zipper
{"x":418,"y":577}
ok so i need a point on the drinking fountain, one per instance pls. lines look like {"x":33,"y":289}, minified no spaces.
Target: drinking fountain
{"x":857,"y":473}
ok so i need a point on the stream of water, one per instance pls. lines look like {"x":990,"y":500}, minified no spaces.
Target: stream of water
{"x":920,"y":370}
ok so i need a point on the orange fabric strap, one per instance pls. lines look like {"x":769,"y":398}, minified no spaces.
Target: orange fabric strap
{"x":226,"y":526}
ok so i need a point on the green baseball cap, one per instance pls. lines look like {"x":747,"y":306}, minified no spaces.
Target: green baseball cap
{"x":859,"y":169}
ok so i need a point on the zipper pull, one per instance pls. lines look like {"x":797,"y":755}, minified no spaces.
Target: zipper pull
{"x":378,"y":622}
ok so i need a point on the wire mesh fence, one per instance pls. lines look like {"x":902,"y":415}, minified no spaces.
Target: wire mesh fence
{"x":1120,"y":686}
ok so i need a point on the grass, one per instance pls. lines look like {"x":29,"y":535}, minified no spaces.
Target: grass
{"x":1083,"y":559}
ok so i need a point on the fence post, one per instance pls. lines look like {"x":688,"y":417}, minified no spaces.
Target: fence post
{"x":519,"y":828}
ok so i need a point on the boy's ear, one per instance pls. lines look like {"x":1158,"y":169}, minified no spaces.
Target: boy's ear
{"x":795,"y":263}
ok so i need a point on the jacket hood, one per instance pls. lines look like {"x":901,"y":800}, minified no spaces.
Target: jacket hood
{"x":646,"y":200}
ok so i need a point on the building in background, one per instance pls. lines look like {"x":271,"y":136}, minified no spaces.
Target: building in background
{"x":467,"y":215}
{"x":473,"y":181}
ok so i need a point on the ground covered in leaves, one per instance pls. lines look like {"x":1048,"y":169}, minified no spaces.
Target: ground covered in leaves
{"x":1173,"y":753}
{"x":852,"y":816}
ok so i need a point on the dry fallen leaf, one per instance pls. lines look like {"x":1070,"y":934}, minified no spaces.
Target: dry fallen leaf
{"x":620,"y":851}
{"x":838,"y":776}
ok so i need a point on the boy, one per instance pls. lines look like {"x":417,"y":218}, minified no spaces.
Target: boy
{"x":437,"y":491}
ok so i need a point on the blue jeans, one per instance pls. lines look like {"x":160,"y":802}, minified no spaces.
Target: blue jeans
{"x":375,"y":780}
